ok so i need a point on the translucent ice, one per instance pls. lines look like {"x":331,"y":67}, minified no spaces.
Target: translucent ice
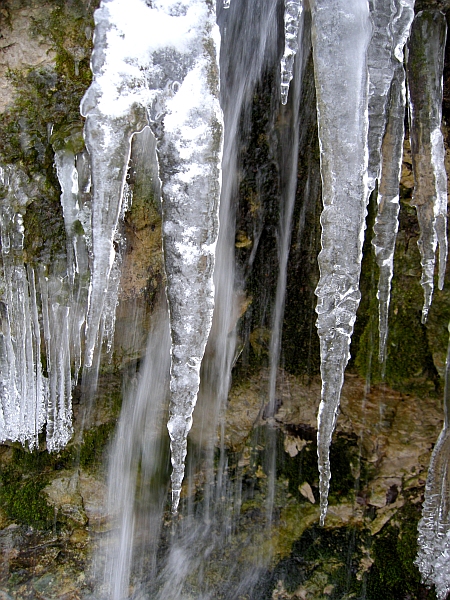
{"x":341,"y":31}
{"x":433,"y":557}
{"x":386,"y":222}
{"x":391,"y":23}
{"x":425,"y":68}
{"x":293,"y":10}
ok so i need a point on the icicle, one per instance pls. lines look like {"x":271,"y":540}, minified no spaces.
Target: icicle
{"x":391,"y":23}
{"x":433,"y":557}
{"x":56,"y":320}
{"x":386,"y":222}
{"x":68,"y":180}
{"x":191,"y":141}
{"x":160,"y":61}
{"x":386,"y":132}
{"x":292,"y":14}
{"x":341,"y":32}
{"x":22,"y":385}
{"x":425,"y":69}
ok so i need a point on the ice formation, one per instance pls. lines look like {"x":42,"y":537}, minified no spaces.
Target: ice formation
{"x":433,"y":557}
{"x":23,"y":388}
{"x":292,"y":14}
{"x":341,"y":32}
{"x":391,"y":22}
{"x":425,"y":69}
{"x":29,"y":399}
{"x":158,"y":64}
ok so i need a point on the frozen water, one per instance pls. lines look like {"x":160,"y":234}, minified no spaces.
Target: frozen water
{"x":23,"y":388}
{"x":341,"y":32}
{"x":159,"y":63}
{"x":425,"y":69}
{"x":386,"y":222}
{"x":391,"y":22}
{"x":293,"y":11}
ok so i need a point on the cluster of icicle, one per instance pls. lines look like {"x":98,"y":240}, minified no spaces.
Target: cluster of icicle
{"x":426,"y":62}
{"x":157,"y":65}
{"x":358,"y":50}
{"x":41,"y":313}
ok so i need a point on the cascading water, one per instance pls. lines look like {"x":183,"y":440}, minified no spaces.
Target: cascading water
{"x":156,"y":65}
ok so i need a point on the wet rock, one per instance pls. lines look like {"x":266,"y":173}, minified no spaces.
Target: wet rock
{"x":94,"y":493}
{"x":63,"y":493}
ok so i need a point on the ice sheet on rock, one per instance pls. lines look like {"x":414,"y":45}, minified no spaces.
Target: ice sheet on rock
{"x":425,"y":69}
{"x":23,"y":388}
{"x":160,"y":61}
{"x":293,"y":10}
{"x":386,"y":222}
{"x":341,"y":31}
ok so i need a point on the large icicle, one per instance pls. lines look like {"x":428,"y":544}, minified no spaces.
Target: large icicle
{"x":433,"y":557}
{"x":190,"y":156}
{"x":341,"y":32}
{"x":293,"y":10}
{"x":161,"y":58}
{"x":425,"y":69}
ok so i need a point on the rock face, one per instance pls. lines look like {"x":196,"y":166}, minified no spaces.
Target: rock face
{"x":20,"y":48}
{"x":52,"y":507}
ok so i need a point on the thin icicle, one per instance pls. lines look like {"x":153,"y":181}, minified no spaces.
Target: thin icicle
{"x":433,"y":557}
{"x":56,"y":320}
{"x":425,"y":70}
{"x":293,"y":10}
{"x":341,"y":32}
{"x":386,"y":222}
{"x":386,"y":132}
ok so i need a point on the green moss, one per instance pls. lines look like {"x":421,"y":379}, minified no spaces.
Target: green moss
{"x":45,"y":117}
{"x":22,"y":501}
{"x":393,"y":574}
{"x":94,"y":443}
{"x":409,"y":365}
{"x":323,"y":562}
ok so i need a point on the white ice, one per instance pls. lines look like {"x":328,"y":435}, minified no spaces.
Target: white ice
{"x":158,"y":64}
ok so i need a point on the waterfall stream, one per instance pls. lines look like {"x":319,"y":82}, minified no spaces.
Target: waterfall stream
{"x":176,"y":93}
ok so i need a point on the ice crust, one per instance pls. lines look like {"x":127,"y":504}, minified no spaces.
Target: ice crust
{"x":159,"y":65}
{"x":425,"y":66}
{"x":341,"y":32}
